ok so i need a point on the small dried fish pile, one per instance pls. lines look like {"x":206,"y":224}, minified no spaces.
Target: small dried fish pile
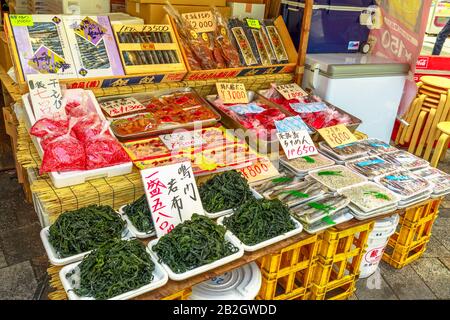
{"x":438,"y":178}
{"x":405,"y":160}
{"x":339,"y":217}
{"x":346,"y":152}
{"x":406,"y":185}
{"x":302,"y":165}
{"x":320,"y":208}
{"x":337,"y":177}
{"x":291,"y":190}
{"x":371,"y":167}
{"x":369,"y":197}
{"x":377,"y":146}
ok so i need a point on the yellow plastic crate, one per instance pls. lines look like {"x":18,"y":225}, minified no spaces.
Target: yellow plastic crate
{"x":286,"y":275}
{"x":423,"y":212}
{"x":337,"y":291}
{"x":181,"y":295}
{"x":399,"y":256}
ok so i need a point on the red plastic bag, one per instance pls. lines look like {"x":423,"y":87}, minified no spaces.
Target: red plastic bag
{"x":75,"y":109}
{"x":63,"y":153}
{"x":87,"y":127}
{"x":104,"y":151}
{"x":49,"y":128}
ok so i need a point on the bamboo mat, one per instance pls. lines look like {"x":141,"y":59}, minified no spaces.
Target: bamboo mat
{"x":59,"y":293}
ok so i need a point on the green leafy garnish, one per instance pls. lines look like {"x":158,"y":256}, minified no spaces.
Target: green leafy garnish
{"x":378,"y":195}
{"x":330,"y":173}
{"x":309,"y":159}
{"x":328,"y":220}
{"x":282,"y":179}
{"x":296,"y":193}
{"x":320,"y":206}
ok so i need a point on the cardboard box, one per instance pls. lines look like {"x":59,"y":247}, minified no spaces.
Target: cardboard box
{"x":247,"y":10}
{"x":154,"y":13}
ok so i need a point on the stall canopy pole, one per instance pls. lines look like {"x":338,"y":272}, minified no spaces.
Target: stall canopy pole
{"x":304,"y":37}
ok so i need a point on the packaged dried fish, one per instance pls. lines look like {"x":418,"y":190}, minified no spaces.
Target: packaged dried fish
{"x":223,"y":40}
{"x":405,"y":160}
{"x":337,"y":177}
{"x":377,"y":146}
{"x":339,"y":217}
{"x":275,"y":41}
{"x":405,"y":184}
{"x":369,"y":196}
{"x":258,"y":46}
{"x":246,"y":52}
{"x":438,"y":178}
{"x":304,"y":164}
{"x":371,"y":167}
{"x":313,"y":211}
{"x":345,"y":152}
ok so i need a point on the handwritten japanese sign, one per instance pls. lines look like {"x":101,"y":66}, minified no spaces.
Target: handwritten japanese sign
{"x":337,"y":135}
{"x":290,"y":91}
{"x":122,"y":106}
{"x":184,"y":139}
{"x":201,"y":21}
{"x":46,"y":97}
{"x":297,"y":144}
{"x":172,"y":195}
{"x":232,"y":92}
{"x":260,"y":170}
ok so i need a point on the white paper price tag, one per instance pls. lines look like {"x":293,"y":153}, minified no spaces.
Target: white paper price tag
{"x":46,"y":97}
{"x":291,"y":91}
{"x":232,"y":92}
{"x":297,"y":144}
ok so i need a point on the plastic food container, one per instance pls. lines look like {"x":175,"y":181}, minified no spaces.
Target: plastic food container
{"x":159,"y":280}
{"x":371,"y":167}
{"x":57,"y":260}
{"x":188,"y":274}
{"x":405,"y":184}
{"x":239,"y":284}
{"x":377,"y":146}
{"x":334,"y":182}
{"x":298,"y":229}
{"x":438,"y":178}
{"x":360,"y":215}
{"x":405,"y":160}
{"x":300,"y":166}
{"x":133,"y":229}
{"x":345,"y":152}
{"x":165,"y":111}
{"x":338,"y":217}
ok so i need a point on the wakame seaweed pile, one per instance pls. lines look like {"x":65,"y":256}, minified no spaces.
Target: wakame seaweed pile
{"x":85,"y":229}
{"x":140,"y":216}
{"x":259,"y":220}
{"x":116,"y":267}
{"x":192,"y":244}
{"x":224,"y":191}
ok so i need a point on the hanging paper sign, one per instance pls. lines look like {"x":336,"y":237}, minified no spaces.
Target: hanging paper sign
{"x":202,"y":21}
{"x":253,"y":23}
{"x":90,"y":30}
{"x":308,"y":107}
{"x":114,"y":108}
{"x":290,"y":91}
{"x":232,"y":92}
{"x":185,"y":139}
{"x":291,"y":124}
{"x":246,"y":108}
{"x":46,"y":97}
{"x":337,"y":135}
{"x":172,"y":195}
{"x":297,"y":144}
{"x":21,"y":20}
{"x":260,"y":170}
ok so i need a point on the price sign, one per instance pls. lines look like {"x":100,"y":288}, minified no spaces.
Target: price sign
{"x":172,"y":195}
{"x":260,"y":170}
{"x":186,"y":139}
{"x":297,"y":144}
{"x":337,"y":135}
{"x":232,"y":92}
{"x":253,"y":23}
{"x":202,"y":21}
{"x":21,"y":20}
{"x":291,"y":91}
{"x":46,"y":97}
{"x":122,"y":106}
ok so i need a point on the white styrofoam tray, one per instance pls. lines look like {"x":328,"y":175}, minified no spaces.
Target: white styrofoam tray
{"x":298,"y":229}
{"x":337,"y":167}
{"x":188,"y":274}
{"x":132,"y":228}
{"x":341,"y":219}
{"x":70,"y":178}
{"x":403,"y":198}
{"x":53,"y":255}
{"x":363,"y":215}
{"x":285,"y":162}
{"x":323,"y":146}
{"x":406,"y":204}
{"x":159,"y":280}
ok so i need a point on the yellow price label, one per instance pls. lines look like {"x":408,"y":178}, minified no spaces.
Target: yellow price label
{"x":337,"y":135}
{"x":253,"y":23}
{"x":232,"y":92}
{"x":260,"y":170}
{"x":291,"y":91}
{"x":21,"y":20}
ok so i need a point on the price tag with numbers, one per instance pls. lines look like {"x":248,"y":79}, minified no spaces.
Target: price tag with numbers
{"x":297,"y":144}
{"x":232,"y":92}
{"x":260,"y":170}
{"x":202,"y":21}
{"x":46,"y":97}
{"x":253,"y":23}
{"x":291,"y":91}
{"x":337,"y":135}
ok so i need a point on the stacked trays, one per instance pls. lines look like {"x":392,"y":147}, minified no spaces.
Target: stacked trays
{"x":301,"y":166}
{"x":438,"y":178}
{"x":405,"y":160}
{"x":369,"y":200}
{"x":371,"y":166}
{"x":337,"y":177}
{"x":289,"y":189}
{"x":323,"y":212}
{"x":377,"y":146}
{"x":346,"y":152}
{"x":409,"y":187}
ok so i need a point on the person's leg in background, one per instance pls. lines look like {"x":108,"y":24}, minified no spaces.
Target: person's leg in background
{"x":440,"y":40}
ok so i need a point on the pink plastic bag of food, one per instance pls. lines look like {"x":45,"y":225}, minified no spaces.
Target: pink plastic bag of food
{"x":75,"y":102}
{"x":87,"y":127}
{"x":104,"y":150}
{"x":63,"y":153}
{"x":49,"y":128}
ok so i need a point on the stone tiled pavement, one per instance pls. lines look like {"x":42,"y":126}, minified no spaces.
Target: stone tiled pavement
{"x":23,"y":261}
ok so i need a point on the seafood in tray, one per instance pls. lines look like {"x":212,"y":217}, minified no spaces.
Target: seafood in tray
{"x":337,"y":177}
{"x":377,"y":146}
{"x":372,"y":166}
{"x":405,"y":184}
{"x":438,"y":178}
{"x":405,"y":160}
{"x":290,"y":190}
{"x":304,"y":164}
{"x":316,"y":210}
{"x":369,"y":196}
{"x":336,"y":218}
{"x":345,"y":152}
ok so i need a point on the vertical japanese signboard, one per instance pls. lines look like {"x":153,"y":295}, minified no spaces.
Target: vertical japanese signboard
{"x":46,"y":97}
{"x":172,"y":195}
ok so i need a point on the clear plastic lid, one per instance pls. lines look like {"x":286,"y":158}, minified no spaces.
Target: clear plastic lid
{"x":405,"y":160}
{"x":371,"y":167}
{"x":337,"y":177}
